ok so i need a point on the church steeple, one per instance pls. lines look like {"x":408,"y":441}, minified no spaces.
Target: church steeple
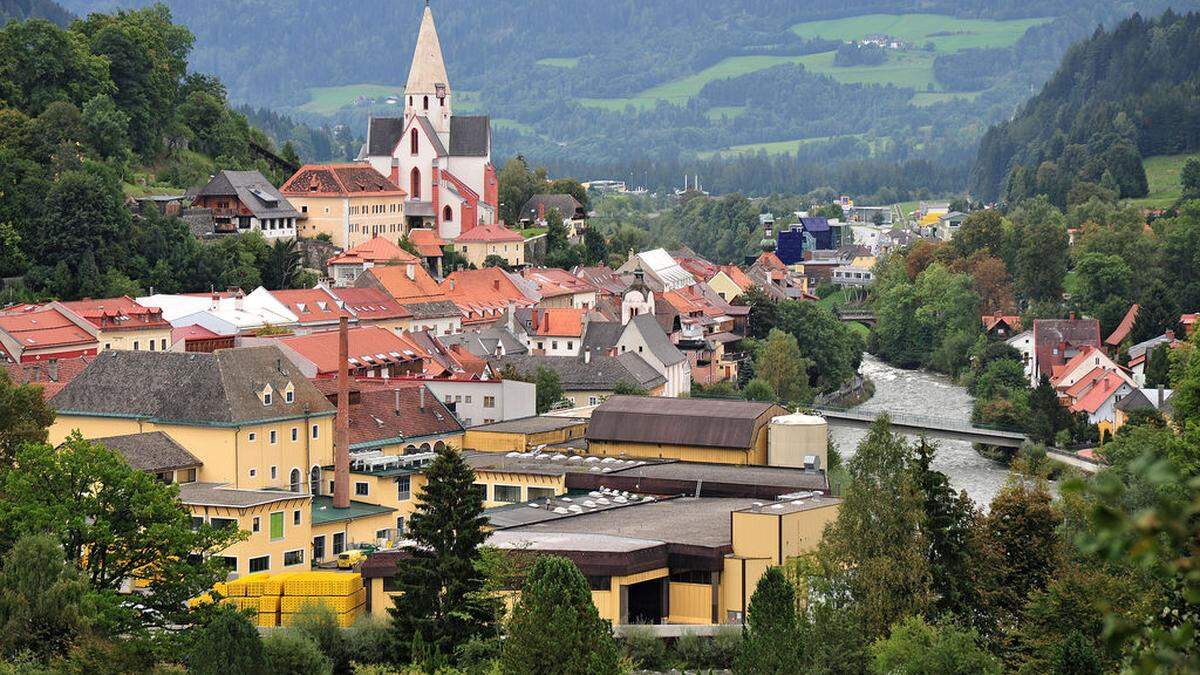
{"x":428,"y":90}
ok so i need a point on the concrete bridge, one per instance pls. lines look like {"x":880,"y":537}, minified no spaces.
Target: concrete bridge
{"x":954,"y":430}
{"x":861,"y":315}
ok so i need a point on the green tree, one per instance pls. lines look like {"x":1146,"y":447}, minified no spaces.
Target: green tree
{"x":114,"y":522}
{"x":442,"y":601}
{"x":45,"y":606}
{"x":290,"y":652}
{"x":626,"y":388}
{"x":1021,"y":535}
{"x":1157,"y":313}
{"x":595,"y":248}
{"x":764,"y":313}
{"x":833,"y":349}
{"x":876,"y":548}
{"x":917,"y":648}
{"x":949,"y":522}
{"x":1046,"y":414}
{"x":1189,"y":178}
{"x":1100,"y":277}
{"x":984,"y":231}
{"x":85,"y":213}
{"x":106,"y":126}
{"x":319,"y":624}
{"x":1041,"y":262}
{"x":779,"y":364}
{"x":494,"y":260}
{"x":549,"y":388}
{"x":555,"y":627}
{"x":517,"y":185}
{"x":556,"y":232}
{"x":759,"y":389}
{"x":769,"y":643}
{"x":228,"y":643}
{"x":1158,"y":367}
{"x":283,"y":265}
{"x":24,"y":417}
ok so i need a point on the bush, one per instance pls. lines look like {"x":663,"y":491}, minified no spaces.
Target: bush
{"x":725,"y":645}
{"x":290,"y":652}
{"x":644,"y":648}
{"x":369,"y":641}
{"x":319,"y":624}
{"x":694,"y":651}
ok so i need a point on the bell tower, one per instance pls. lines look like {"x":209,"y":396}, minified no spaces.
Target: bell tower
{"x":427,"y":93}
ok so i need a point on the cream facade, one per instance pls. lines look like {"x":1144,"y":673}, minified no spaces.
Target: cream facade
{"x":476,"y":253}
{"x":278,"y":533}
{"x":351,"y":220}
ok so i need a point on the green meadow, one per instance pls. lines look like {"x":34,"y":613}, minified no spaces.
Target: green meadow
{"x":1162,"y":173}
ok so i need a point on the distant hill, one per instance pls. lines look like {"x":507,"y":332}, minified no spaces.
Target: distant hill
{"x":33,"y":9}
{"x":1119,"y":96}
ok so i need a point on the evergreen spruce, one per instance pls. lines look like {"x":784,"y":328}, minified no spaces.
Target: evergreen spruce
{"x":770,"y":641}
{"x":442,"y":600}
{"x":1045,"y":413}
{"x":555,"y":627}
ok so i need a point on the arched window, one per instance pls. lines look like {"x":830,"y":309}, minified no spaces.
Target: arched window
{"x":439,"y":446}
{"x":295,"y":481}
{"x":448,"y":214}
{"x":427,"y":103}
{"x":414,"y":183}
{"x":314,"y":480}
{"x":414,"y":142}
{"x":425,"y":447}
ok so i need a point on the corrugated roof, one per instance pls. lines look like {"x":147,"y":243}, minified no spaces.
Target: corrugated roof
{"x":703,"y":422}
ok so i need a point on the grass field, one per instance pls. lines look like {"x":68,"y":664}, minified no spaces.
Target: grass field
{"x":329,"y":100}
{"x":924,"y":99}
{"x":787,"y":147}
{"x":947,"y":33}
{"x":912,"y":69}
{"x":1162,"y":173}
{"x":502,"y":123}
{"x":559,"y":62}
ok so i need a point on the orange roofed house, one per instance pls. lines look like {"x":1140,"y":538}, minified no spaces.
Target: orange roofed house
{"x":42,"y":333}
{"x":374,"y":353}
{"x":346,"y":267}
{"x":495,"y":239}
{"x":555,"y":331}
{"x":351,"y":203}
{"x":484,"y":295}
{"x":124,"y":324}
{"x":560,"y":288}
{"x":429,"y":247}
{"x":412,"y":286}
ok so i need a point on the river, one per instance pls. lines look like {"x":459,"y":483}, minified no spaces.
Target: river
{"x":918,"y":392}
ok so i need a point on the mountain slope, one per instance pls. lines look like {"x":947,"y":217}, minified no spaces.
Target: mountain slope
{"x":1119,"y":96}
{"x":33,"y":9}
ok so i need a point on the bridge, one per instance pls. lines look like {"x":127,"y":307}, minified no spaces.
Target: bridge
{"x":940,"y":427}
{"x":858,"y":314}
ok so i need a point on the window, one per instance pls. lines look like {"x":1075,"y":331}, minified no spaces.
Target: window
{"x":468,"y":399}
{"x":426,"y":103}
{"x":383,"y":534}
{"x":260,"y":564}
{"x":274,"y":436}
{"x":489,"y":401}
{"x":592,"y":400}
{"x":554,"y":344}
{"x":296,"y":517}
{"x":314,"y":480}
{"x":506,"y":493}
{"x":293,"y":558}
{"x":152,"y":345}
{"x":253,"y":473}
{"x":289,"y":396}
{"x":403,"y":488}
{"x":136,"y":345}
{"x":315,"y":429}
{"x":163,"y":344}
{"x":252,"y":437}
{"x":540,"y":493}
{"x":274,"y":473}
{"x":256,"y":524}
{"x":414,"y":142}
{"x":570,"y":345}
{"x":448,"y":214}
{"x":692,"y":577}
{"x":318,"y":547}
{"x":361,"y":489}
{"x":277,"y":525}
{"x":197,"y":521}
{"x":295,"y":434}
{"x":339,"y":542}
{"x":230,"y":562}
{"x":598,"y":583}
{"x":223,"y":523}
{"x":108,"y":345}
{"x":414,"y":183}
{"x":267,"y":398}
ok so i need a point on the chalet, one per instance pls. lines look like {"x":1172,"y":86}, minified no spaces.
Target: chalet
{"x":1001,"y":326}
{"x":535,"y":209}
{"x":244,"y":201}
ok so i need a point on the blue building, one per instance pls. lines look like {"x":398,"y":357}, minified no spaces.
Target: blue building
{"x":810,"y":234}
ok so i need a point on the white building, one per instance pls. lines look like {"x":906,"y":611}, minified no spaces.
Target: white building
{"x":223,"y":313}
{"x":477,"y":402}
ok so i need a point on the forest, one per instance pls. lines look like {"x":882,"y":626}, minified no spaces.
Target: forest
{"x":1122,"y":95}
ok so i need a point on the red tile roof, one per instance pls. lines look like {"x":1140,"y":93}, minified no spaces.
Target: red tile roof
{"x":369,"y":346}
{"x":123,"y":313}
{"x":51,"y":374}
{"x":553,"y":282}
{"x":1103,"y":387}
{"x":339,"y":180}
{"x":43,"y":328}
{"x":493,"y":233}
{"x":483,"y":294}
{"x":1069,"y":366}
{"x":311,"y":305}
{"x":429,"y":244}
{"x":1122,"y":331}
{"x":557,"y":322}
{"x":408,"y":283}
{"x":377,"y":251}
{"x":737,"y":276}
{"x":1062,"y":335}
{"x":390,"y":410}
{"x":371,"y":304}
{"x":770,"y":261}
{"x":990,"y":321}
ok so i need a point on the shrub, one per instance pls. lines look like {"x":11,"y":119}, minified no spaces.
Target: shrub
{"x":644,"y":648}
{"x":291,"y":652}
{"x":369,"y":641}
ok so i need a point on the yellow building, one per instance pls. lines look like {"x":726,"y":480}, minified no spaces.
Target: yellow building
{"x":524,"y":434}
{"x":482,"y":241}
{"x":699,"y":430}
{"x":351,"y":203}
{"x":121,"y":323}
{"x":277,"y":524}
{"x":730,"y":282}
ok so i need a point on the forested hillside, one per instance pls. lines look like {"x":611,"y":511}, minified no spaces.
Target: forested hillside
{"x":33,"y":9}
{"x":625,"y":89}
{"x":1122,"y":95}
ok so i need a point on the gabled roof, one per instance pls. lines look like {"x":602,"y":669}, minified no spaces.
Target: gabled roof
{"x":123,"y":313}
{"x":391,"y":412}
{"x":815,"y":224}
{"x":656,"y":340}
{"x":553,"y":282}
{"x":770,"y":261}
{"x":603,"y":279}
{"x":486,"y":342}
{"x":483,"y":294}
{"x":1122,"y":331}
{"x":553,"y":321}
{"x":470,"y":136}
{"x":431,"y":135}
{"x":38,"y":328}
{"x":52,"y":374}
{"x":1102,"y":389}
{"x":493,"y":233}
{"x":659,"y":264}
{"x":311,"y":305}
{"x":152,"y":451}
{"x":429,"y":244}
{"x":339,"y":180}
{"x":221,"y":388}
{"x":383,"y":133}
{"x":252,"y":190}
{"x":1049,"y":334}
{"x":536,"y":206}
{"x":369,"y":347}
{"x":420,"y":287}
{"x":598,"y":373}
{"x":378,"y":250}
{"x":990,"y":321}
{"x":695,"y":421}
{"x":371,"y":304}
{"x":737,"y":276}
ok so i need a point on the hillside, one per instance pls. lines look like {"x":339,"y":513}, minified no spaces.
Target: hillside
{"x":626,"y":88}
{"x":33,"y":9}
{"x":1119,"y":96}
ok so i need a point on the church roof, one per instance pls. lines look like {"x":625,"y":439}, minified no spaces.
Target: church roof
{"x":470,"y":135}
{"x":383,"y":133}
{"x":428,"y":68}
{"x":432,"y":135}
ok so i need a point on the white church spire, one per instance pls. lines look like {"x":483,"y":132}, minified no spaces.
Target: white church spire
{"x":428,"y":90}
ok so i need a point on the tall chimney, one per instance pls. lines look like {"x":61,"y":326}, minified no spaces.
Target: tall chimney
{"x":397,"y":401}
{"x":341,"y":435}
{"x":421,"y":402}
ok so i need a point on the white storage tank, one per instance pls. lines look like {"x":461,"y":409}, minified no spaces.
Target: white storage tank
{"x":797,"y":441}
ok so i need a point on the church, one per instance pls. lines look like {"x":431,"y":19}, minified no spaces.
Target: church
{"x":442,"y":160}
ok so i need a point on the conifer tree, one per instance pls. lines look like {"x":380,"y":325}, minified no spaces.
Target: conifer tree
{"x":442,"y":597}
{"x":770,"y":641}
{"x":555,"y":627}
{"x":1045,"y":413}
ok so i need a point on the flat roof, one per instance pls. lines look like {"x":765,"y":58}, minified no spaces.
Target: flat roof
{"x":548,"y":463}
{"x":778,"y":476}
{"x":221,"y":494}
{"x":561,"y":506}
{"x":691,"y":521}
{"x":568,"y":541}
{"x":323,"y":511}
{"x":794,"y":505}
{"x":532,"y":425}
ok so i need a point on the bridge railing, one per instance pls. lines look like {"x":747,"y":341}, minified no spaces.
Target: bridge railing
{"x":925,"y":421}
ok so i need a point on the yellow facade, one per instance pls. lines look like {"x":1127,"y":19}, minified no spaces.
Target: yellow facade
{"x":355,"y":531}
{"x":724,"y":286}
{"x":691,"y":603}
{"x":251,"y":456}
{"x":256,"y":522}
{"x":350,"y":220}
{"x":476,"y":253}
{"x":597,"y":396}
{"x":150,"y":339}
{"x":523,"y":487}
{"x":483,"y":440}
{"x":755,"y":455}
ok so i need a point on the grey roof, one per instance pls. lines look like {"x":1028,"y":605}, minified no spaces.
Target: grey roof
{"x":220,"y":388}
{"x":152,"y":451}
{"x":602,"y":335}
{"x":676,"y":421}
{"x":566,"y":205}
{"x":252,"y":190}
{"x":601,"y":373}
{"x":656,"y":340}
{"x":786,"y":479}
{"x":524,"y":540}
{"x":383,"y":133}
{"x":532,"y":425}
{"x":218,"y":494}
{"x":432,"y":135}
{"x":470,"y":135}
{"x":695,"y":521}
{"x":433,"y":309}
{"x":485,"y":342}
{"x":1147,"y":346}
{"x":1135,"y":401}
{"x":549,"y":462}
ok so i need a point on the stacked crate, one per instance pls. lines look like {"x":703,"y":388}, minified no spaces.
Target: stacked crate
{"x":344,"y":594}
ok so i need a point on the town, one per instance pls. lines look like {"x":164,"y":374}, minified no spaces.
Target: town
{"x":434,"y":411}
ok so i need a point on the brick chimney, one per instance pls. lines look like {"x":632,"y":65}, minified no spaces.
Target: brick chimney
{"x":495,"y":284}
{"x":341,"y":435}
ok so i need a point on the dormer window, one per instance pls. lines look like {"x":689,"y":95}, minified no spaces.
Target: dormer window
{"x":289,"y":394}
{"x":267,"y":395}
